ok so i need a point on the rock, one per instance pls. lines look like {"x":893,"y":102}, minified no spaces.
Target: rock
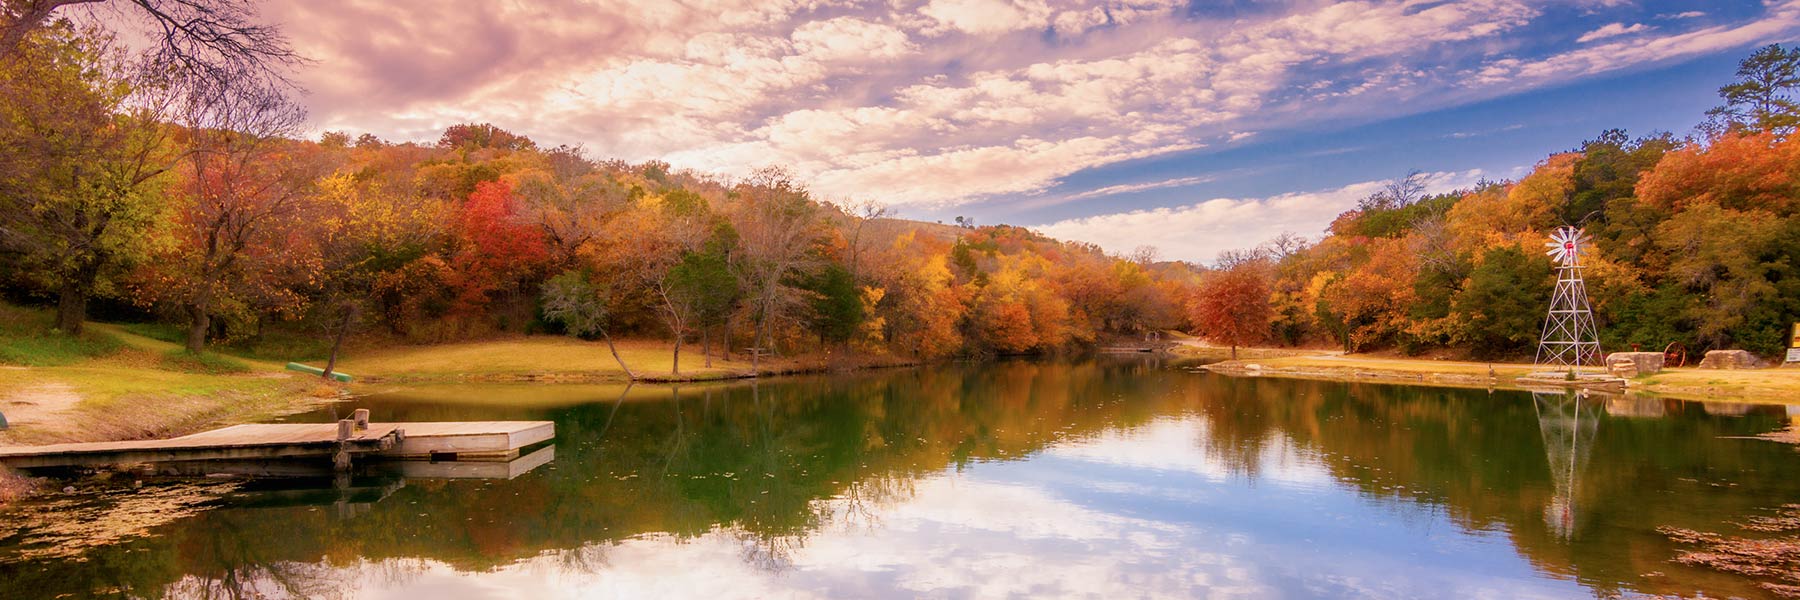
{"x":1730,"y":359}
{"x":1623,"y":368}
{"x":1648,"y":363}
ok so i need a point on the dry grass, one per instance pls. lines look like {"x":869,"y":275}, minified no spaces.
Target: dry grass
{"x":1775,"y":386}
{"x":531,"y":357}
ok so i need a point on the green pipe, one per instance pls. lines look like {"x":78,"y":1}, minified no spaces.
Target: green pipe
{"x":294,"y":366}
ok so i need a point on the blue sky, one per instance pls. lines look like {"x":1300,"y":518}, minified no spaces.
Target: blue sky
{"x":1193,"y":126}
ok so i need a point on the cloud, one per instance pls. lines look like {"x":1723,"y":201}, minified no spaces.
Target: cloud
{"x":1200,"y":231}
{"x":932,"y":103}
{"x":1783,"y":19}
{"x":1692,"y":14}
{"x":1612,"y":30}
{"x":1463,"y":135}
{"x":1132,"y":188}
{"x":986,"y":17}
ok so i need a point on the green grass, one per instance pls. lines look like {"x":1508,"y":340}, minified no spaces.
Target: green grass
{"x":276,"y":345}
{"x":26,"y":339}
{"x":205,"y":362}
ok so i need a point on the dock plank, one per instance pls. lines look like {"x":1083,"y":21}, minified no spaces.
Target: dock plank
{"x":288,"y":440}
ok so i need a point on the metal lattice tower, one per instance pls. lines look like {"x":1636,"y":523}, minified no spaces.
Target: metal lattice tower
{"x":1569,"y":338}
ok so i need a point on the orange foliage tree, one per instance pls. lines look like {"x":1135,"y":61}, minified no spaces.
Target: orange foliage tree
{"x":1233,"y":306}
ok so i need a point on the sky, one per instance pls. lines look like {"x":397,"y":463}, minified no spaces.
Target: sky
{"x":1193,"y":126}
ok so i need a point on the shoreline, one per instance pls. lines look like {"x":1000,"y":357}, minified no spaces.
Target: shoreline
{"x":1774,"y":386}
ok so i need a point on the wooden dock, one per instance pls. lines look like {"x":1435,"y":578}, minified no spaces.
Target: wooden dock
{"x":480,"y":440}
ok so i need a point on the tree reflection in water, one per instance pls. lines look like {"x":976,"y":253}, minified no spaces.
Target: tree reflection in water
{"x":783,"y":474}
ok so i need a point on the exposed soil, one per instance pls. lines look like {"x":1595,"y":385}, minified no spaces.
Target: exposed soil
{"x":37,"y":406}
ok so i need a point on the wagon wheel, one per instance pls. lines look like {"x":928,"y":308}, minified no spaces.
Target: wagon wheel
{"x":1674,"y":355}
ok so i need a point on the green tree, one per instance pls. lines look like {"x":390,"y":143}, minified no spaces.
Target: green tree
{"x":706,"y":285}
{"x":1502,"y":307}
{"x":575,"y":302}
{"x":837,"y":307}
{"x":82,"y":152}
{"x":1760,"y":99}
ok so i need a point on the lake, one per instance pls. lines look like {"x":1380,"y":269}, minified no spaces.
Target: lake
{"x":1113,"y":478}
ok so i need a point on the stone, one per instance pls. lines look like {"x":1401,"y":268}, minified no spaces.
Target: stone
{"x":1730,"y":359}
{"x":1623,"y":368}
{"x":1648,"y":363}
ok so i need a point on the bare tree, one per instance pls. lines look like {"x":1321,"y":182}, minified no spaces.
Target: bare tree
{"x":778,"y":226}
{"x":1231,"y":259}
{"x":1286,"y":244}
{"x":862,"y":212}
{"x":240,"y":190}
{"x":1397,"y":193}
{"x":216,"y":40}
{"x":1144,"y":255}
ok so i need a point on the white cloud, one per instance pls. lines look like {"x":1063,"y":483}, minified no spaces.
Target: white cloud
{"x":1131,"y":188}
{"x":1692,"y":14}
{"x":932,"y":102}
{"x":847,"y":39}
{"x":1612,"y":30}
{"x":986,"y":17}
{"x":1199,"y":231}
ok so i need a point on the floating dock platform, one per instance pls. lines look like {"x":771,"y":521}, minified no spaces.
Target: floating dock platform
{"x":476,"y":440}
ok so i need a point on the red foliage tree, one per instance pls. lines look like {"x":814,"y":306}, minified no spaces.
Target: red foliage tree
{"x":496,"y":249}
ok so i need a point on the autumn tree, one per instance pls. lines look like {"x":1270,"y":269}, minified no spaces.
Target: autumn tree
{"x":778,"y":224}
{"x":244,"y":188}
{"x":1233,"y":306}
{"x":82,"y":152}
{"x":497,"y":251}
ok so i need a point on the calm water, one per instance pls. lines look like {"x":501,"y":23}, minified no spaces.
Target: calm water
{"x":1111,"y":479}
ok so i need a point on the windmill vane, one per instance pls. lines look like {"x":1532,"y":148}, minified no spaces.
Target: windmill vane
{"x":1565,"y":245}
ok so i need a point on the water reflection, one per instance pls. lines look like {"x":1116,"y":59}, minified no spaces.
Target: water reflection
{"x":1568,"y":421}
{"x":1040,"y":479}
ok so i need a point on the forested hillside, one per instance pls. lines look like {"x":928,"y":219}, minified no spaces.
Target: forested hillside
{"x":1698,"y":242}
{"x":214,"y":216}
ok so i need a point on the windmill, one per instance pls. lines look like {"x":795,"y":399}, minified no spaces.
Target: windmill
{"x":1570,"y":339}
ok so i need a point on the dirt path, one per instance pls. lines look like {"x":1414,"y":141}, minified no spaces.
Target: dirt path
{"x":37,"y":406}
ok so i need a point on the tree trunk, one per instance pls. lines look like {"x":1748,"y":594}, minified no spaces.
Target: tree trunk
{"x":198,"y":324}
{"x":1234,"y":352}
{"x":615,"y":353}
{"x":71,"y":307}
{"x":675,"y":365}
{"x":706,"y":345}
{"x":338,"y":343}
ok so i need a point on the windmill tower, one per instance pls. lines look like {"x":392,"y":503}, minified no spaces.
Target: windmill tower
{"x":1570,"y":340}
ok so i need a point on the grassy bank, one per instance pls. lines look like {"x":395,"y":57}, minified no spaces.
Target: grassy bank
{"x":112,"y":384}
{"x":1770,"y":386}
{"x":564,"y":359}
